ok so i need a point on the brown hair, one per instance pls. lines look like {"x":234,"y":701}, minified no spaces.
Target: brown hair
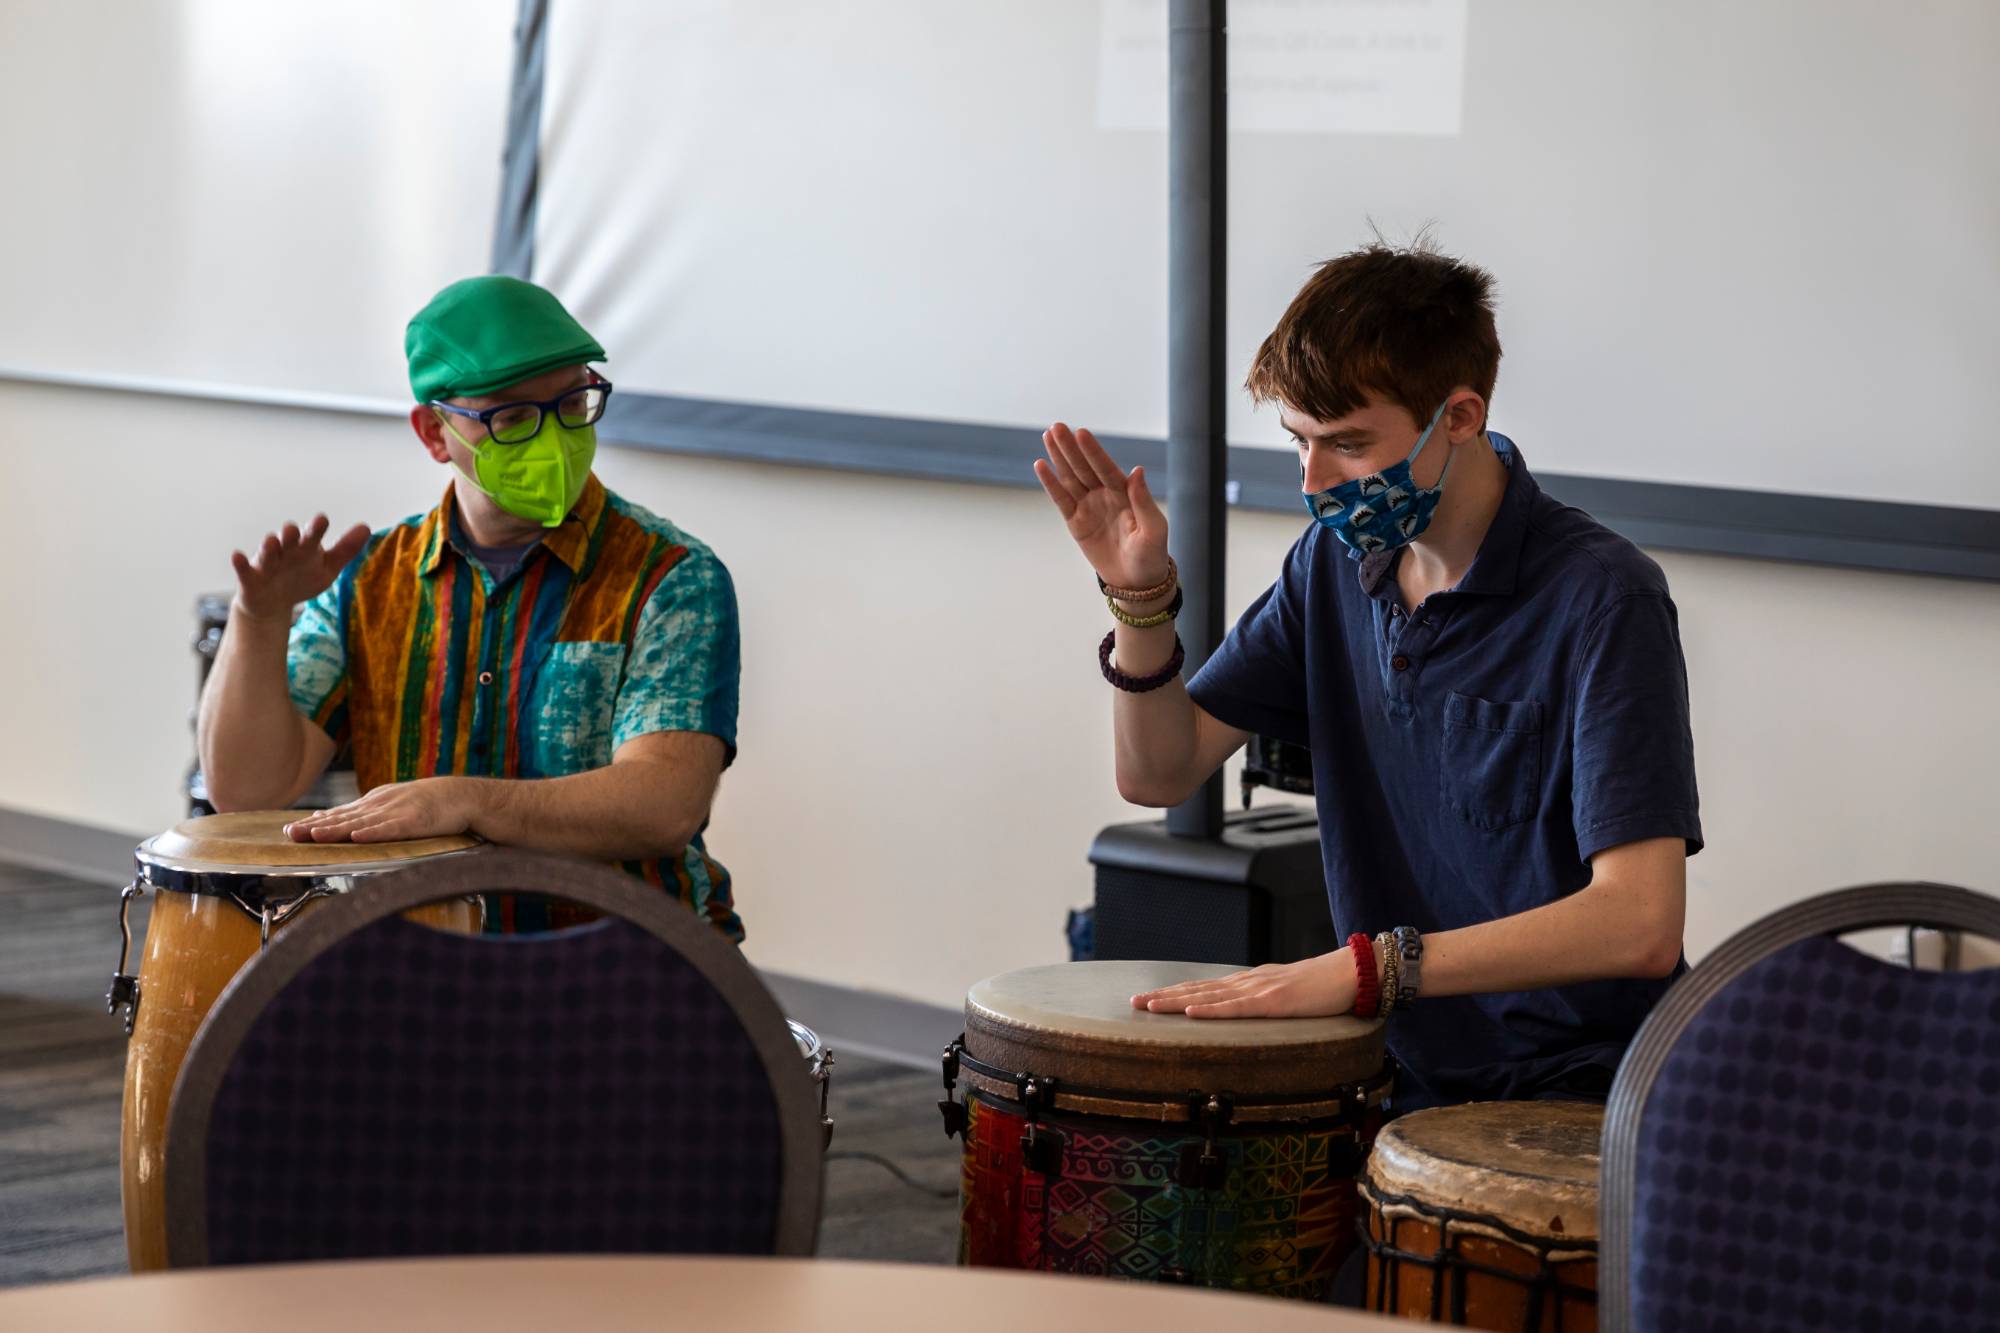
{"x":1403,"y":324}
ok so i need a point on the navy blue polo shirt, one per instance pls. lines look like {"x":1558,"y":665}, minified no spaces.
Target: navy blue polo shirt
{"x":1471,"y":757}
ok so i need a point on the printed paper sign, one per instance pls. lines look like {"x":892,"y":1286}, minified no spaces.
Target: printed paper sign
{"x":1300,"y":66}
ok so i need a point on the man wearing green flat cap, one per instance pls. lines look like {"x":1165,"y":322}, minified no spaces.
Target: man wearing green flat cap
{"x":536,"y":660}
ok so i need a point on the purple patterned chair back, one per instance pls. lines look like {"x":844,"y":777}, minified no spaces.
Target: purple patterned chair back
{"x":1805,"y":1137}
{"x":371,"y":1087}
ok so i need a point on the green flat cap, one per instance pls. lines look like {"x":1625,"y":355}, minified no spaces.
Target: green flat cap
{"x":483,"y":334}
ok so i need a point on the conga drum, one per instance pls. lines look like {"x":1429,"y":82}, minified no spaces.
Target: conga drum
{"x":1101,"y":1139}
{"x":1486,"y":1216}
{"x":221,"y":886}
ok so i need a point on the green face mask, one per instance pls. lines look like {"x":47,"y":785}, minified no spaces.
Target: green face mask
{"x":539,"y":479}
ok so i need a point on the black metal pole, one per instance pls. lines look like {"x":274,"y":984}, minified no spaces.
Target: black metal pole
{"x":520,"y":161}
{"x":1197,"y":236}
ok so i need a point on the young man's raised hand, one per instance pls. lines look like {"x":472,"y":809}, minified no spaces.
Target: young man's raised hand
{"x":1110,"y":512}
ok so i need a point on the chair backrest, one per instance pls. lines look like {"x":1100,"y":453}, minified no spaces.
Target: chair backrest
{"x":1802,"y":1136}
{"x":374,"y":1087}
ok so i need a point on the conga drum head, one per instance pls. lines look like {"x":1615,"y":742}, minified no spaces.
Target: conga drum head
{"x":206,"y":853}
{"x":223,"y":884}
{"x":1103,"y":1139}
{"x":1486,"y":1215}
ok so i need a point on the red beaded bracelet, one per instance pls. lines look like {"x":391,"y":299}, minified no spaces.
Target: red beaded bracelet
{"x":1139,"y":684}
{"x":1367,"y":986}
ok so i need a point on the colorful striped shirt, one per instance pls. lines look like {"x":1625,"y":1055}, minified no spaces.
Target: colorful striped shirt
{"x":419,"y":664}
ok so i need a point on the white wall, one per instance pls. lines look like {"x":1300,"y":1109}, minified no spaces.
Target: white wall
{"x":1789,"y":202}
{"x":241,"y":193}
{"x":925,"y":741}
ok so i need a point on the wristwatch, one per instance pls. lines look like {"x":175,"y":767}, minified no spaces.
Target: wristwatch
{"x":1410,"y":953}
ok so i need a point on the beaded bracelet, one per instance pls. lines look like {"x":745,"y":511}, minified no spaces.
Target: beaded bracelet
{"x":1367,"y":989}
{"x":1154,"y":593}
{"x":1391,"y":973}
{"x":1139,"y":684}
{"x":1124,"y":617}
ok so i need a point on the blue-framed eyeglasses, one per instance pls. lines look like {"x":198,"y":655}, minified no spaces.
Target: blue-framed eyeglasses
{"x":517,"y":423}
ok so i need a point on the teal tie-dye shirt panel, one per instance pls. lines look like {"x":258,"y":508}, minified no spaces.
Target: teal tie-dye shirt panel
{"x":684,"y":664}
{"x":317,"y":660}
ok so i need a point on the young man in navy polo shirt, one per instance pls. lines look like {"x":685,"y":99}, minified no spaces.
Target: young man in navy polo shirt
{"x":1490,"y":682}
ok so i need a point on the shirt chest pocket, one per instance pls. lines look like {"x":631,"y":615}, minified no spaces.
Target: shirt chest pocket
{"x":575,"y":706}
{"x":1490,"y":769}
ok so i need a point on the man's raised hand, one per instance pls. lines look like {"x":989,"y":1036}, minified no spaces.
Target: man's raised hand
{"x":292,"y":567}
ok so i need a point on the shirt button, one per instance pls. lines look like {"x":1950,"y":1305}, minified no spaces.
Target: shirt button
{"x":486,"y":677}
{"x":1400,"y":662}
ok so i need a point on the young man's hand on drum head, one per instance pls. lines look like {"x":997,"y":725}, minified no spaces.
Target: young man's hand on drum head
{"x":292,"y":567}
{"x":1309,"y":988}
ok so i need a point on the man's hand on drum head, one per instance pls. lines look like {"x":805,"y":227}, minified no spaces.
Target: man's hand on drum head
{"x":1110,"y":512}
{"x":292,"y":567}
{"x":1311,"y":988}
{"x":424,"y":808}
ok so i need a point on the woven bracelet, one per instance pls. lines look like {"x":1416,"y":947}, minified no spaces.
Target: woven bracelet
{"x":1158,"y":590}
{"x":1367,"y":987}
{"x":1139,"y":684}
{"x":1124,"y":617}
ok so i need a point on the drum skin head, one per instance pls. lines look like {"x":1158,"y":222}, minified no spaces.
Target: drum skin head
{"x":1531,"y":1165}
{"x":251,"y":838}
{"x":1074,"y":1022}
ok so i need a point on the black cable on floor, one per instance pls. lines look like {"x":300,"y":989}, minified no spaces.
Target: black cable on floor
{"x":893,"y":1170}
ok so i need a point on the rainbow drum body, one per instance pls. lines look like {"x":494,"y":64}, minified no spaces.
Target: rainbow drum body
{"x":1100,"y":1139}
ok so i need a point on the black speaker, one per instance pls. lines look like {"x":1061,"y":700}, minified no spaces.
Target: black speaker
{"x":1257,"y":894}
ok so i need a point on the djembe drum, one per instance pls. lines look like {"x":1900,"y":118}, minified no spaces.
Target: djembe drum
{"x":1106,"y":1140}
{"x":1486,"y":1216}
{"x":222,"y":885}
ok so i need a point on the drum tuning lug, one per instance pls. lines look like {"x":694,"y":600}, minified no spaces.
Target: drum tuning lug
{"x":951,"y":1108}
{"x":825,"y":1087}
{"x":1036,"y":1093}
{"x":124,"y":992}
{"x":1210,"y":1109}
{"x":124,"y":986}
{"x":1345,"y":1158}
{"x":1201,"y":1165}
{"x":1042,"y":1149}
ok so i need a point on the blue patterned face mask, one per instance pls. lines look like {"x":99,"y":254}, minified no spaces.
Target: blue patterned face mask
{"x":1383,"y":511}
